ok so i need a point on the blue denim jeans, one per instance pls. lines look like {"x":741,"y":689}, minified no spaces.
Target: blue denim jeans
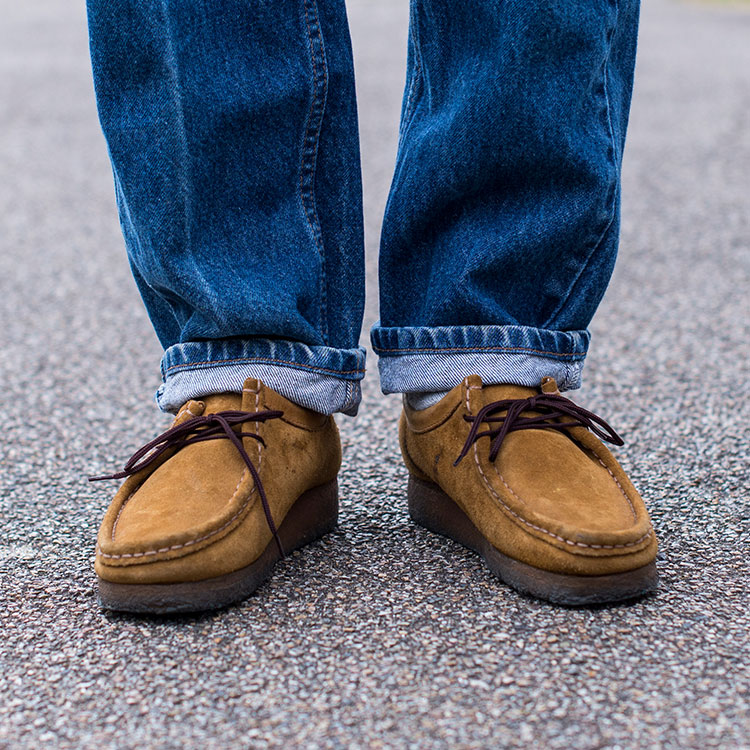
{"x":232,"y":131}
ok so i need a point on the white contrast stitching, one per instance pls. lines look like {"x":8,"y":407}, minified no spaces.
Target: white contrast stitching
{"x":184,"y":544}
{"x":624,"y":494}
{"x":187,"y":410}
{"x":470,"y":388}
{"x":546,"y":531}
{"x":502,"y":479}
{"x":237,"y":488}
{"x":119,"y":512}
{"x":205,"y":536}
{"x":620,"y":487}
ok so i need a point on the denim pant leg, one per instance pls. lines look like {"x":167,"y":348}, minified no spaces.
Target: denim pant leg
{"x":501,"y":228}
{"x":232,"y":131}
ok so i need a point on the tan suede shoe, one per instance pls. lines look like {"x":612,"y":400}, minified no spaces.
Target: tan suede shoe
{"x":205,"y":515}
{"x":516,"y":475}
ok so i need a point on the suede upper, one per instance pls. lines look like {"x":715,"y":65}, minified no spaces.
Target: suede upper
{"x":196,"y":513}
{"x":556,"y":500}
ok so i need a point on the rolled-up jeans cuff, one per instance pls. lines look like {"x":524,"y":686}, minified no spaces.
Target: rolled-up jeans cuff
{"x":428,"y":360}
{"x":320,"y":378}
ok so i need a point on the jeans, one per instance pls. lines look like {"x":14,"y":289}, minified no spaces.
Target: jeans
{"x":232,"y":132}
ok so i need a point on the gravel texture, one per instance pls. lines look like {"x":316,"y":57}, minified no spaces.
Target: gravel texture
{"x":381,"y":635}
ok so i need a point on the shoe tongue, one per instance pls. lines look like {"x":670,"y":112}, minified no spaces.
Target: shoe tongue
{"x":222,"y":402}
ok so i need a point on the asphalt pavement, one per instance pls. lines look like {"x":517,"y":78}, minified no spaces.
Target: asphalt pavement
{"x":381,"y":635}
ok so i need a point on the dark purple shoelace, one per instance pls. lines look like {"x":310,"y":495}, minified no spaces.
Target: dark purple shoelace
{"x":196,"y":430}
{"x":548,"y":406}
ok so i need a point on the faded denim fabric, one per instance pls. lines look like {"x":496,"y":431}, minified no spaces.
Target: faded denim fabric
{"x":232,"y":132}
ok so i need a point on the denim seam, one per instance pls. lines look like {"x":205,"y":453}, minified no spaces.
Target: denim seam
{"x":569,"y":372}
{"x":479,"y":350}
{"x":180,"y":111}
{"x":156,"y":270}
{"x":407,"y":117}
{"x":417,"y":75}
{"x":612,"y":193}
{"x":205,"y":365}
{"x":310,"y":143}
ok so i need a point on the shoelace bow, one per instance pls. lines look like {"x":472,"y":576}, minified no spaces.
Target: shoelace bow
{"x":549,"y":407}
{"x":215,"y":426}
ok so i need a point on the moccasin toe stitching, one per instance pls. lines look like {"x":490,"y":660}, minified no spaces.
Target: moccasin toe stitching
{"x":565,"y":536}
{"x":175,"y":545}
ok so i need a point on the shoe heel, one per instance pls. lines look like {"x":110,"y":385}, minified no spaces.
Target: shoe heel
{"x":314,"y":514}
{"x":431,"y":508}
